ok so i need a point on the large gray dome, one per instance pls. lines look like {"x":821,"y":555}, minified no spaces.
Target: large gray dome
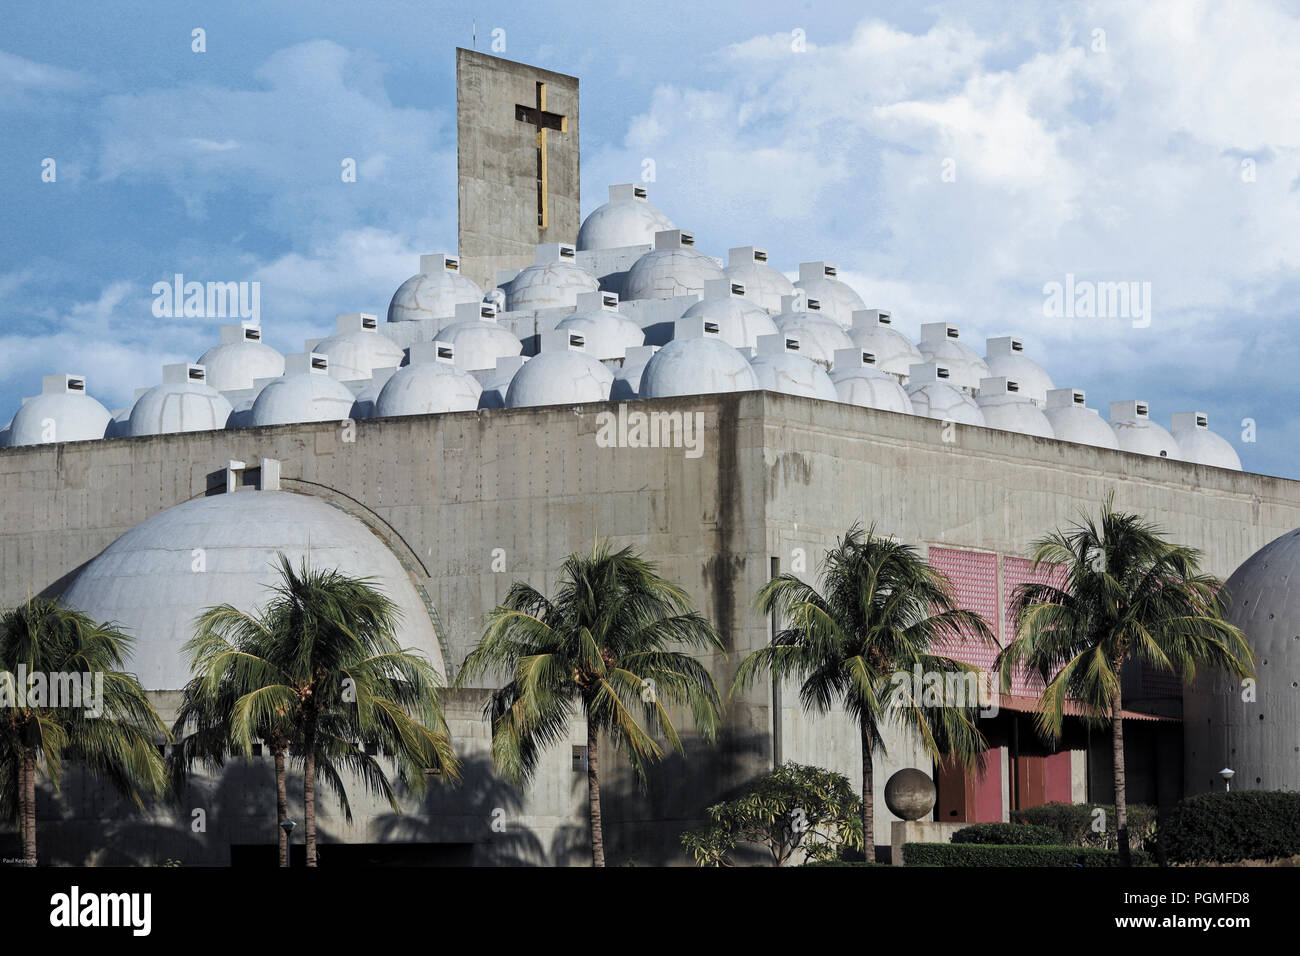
{"x":1006,"y":409}
{"x":857,"y":383}
{"x":791,"y":373}
{"x":1256,"y":738}
{"x":1136,"y":432}
{"x":147,"y":581}
{"x":628,"y":219}
{"x":480,"y":342}
{"x":820,"y":336}
{"x":939,"y":344}
{"x":1196,"y":443}
{"x":873,"y":331}
{"x":1073,"y":421}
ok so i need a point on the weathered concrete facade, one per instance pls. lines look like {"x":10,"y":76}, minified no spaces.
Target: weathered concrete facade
{"x":451,"y":493}
{"x":499,"y":147}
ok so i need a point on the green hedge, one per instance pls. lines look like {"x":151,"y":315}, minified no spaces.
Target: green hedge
{"x":985,"y":854}
{"x":1018,"y":834}
{"x":1229,"y":827}
{"x":1073,"y":823}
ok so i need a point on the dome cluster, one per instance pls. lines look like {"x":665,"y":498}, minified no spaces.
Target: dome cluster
{"x":632,"y":309}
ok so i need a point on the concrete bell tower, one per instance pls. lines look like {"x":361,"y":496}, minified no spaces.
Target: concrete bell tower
{"x":517,"y":159}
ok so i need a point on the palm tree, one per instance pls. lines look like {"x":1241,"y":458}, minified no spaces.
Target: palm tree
{"x":1126,"y":593}
{"x":858,"y":642}
{"x":114,"y":733}
{"x":318,"y":673}
{"x":602,"y":644}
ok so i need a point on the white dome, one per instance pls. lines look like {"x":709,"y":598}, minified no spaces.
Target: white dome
{"x":837,"y":299}
{"x":870,"y":388}
{"x":964,"y":365}
{"x":428,"y":388}
{"x":819,"y":336}
{"x":669,"y":270}
{"x":146,"y":580}
{"x":944,"y":402}
{"x":696,"y":366}
{"x":179,"y":406}
{"x":1198,"y":444}
{"x":893,"y":350}
{"x":1012,"y":412}
{"x":363,"y":403}
{"x":764,"y":285}
{"x":302,"y":397}
{"x":794,"y":375}
{"x":608,"y":335}
{"x":559,"y":377}
{"x":480,"y":342}
{"x":628,"y":219}
{"x":553,"y":285}
{"x":1005,"y":358}
{"x":739,"y":321}
{"x":1137,"y":433}
{"x":1073,"y":421}
{"x":434,"y":292}
{"x":62,"y":412}
{"x":357,"y":353}
{"x":240,"y":359}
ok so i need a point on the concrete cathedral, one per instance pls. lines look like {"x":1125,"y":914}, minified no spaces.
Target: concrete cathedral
{"x":560,"y":379}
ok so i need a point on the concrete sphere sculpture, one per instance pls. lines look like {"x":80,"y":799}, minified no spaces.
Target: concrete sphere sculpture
{"x":910,"y":794}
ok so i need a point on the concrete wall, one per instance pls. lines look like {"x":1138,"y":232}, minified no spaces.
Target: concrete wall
{"x":777,"y":473}
{"x":496,"y":159}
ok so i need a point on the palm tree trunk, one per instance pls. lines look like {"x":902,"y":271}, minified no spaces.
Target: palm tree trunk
{"x":1121,"y":796}
{"x":27,"y":804}
{"x":281,"y":804}
{"x":868,"y":800}
{"x":593,"y":795}
{"x":309,"y":798}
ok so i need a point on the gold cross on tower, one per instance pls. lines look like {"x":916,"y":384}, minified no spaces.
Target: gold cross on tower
{"x":538,"y":116}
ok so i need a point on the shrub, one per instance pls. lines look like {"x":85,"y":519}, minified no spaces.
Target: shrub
{"x":985,"y":854}
{"x":1006,"y":833}
{"x":1228,"y":827}
{"x":1074,"y":823}
{"x":793,"y":808}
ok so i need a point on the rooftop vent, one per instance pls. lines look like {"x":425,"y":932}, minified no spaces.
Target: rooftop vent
{"x":760,"y":255}
{"x":1065,"y":397}
{"x":1017,"y":345}
{"x":868,"y":358}
{"x":829,"y":271}
{"x":184,"y":372}
{"x":577,"y":341}
{"x":738,"y":288}
{"x":487,"y":310}
{"x":711,"y":328}
{"x":369,"y":321}
{"x":567,"y":252}
{"x":252,"y":333}
{"x":814,"y":305}
{"x":1141,"y":410}
{"x":439,"y":262}
{"x":743,"y":255}
{"x":792,"y":345}
{"x":1013,"y":386}
{"x":688,"y":238}
{"x":451,"y":264}
{"x":609,"y":300}
{"x":1078,"y":397}
{"x":638,"y":192}
{"x":940,"y":371}
{"x":445,"y":352}
{"x":319,"y":363}
{"x":951,"y":332}
{"x":1181,"y":421}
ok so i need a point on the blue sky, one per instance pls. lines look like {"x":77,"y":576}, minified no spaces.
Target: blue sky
{"x":1162,"y":149}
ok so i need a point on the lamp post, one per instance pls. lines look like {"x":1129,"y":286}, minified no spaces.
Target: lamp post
{"x":1227,"y":773}
{"x":287,"y":826}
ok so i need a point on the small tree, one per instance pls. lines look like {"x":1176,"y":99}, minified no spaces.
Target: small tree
{"x":794,"y":808}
